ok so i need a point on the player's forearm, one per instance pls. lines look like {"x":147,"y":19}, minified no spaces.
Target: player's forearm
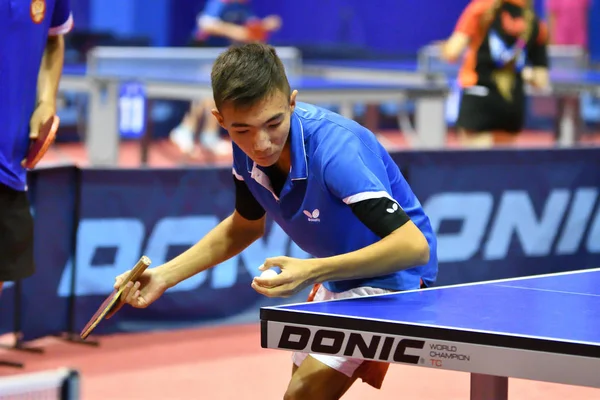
{"x":225,"y":29}
{"x":404,"y":248}
{"x":540,"y":78}
{"x":452,"y":49}
{"x":224,"y":241}
{"x":51,"y":70}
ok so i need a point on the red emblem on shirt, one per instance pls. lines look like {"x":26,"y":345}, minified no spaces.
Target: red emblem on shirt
{"x":37,"y":10}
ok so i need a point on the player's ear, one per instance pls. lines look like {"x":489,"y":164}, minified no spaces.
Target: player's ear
{"x":219,"y":117}
{"x":293,"y":100}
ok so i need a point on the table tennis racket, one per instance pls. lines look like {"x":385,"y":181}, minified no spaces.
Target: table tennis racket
{"x":256,"y":31}
{"x":38,"y":147}
{"x":111,"y":304}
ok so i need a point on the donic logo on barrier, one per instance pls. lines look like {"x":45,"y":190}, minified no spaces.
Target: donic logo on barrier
{"x":568,"y":223}
{"x":127,"y":236}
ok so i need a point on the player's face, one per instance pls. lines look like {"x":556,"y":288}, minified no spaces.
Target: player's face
{"x":261,"y":131}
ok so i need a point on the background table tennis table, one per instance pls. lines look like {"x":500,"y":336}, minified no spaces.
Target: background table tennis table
{"x":187,"y":79}
{"x":568,"y":81}
{"x":563,"y":79}
{"x":544,"y":328}
{"x":184,"y":74}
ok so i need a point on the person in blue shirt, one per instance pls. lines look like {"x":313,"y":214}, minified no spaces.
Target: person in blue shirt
{"x":31,"y":37}
{"x":225,"y":22}
{"x":220,"y":24}
{"x":330,"y":185}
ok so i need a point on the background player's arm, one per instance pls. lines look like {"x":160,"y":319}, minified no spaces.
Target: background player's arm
{"x":538,"y":75}
{"x":453,"y":48}
{"x":51,"y":70}
{"x":239,"y":33}
{"x":227,"y":239}
{"x":51,"y":66}
{"x":211,"y":22}
{"x":217,"y":27}
{"x":467,"y":29}
{"x":54,"y":54}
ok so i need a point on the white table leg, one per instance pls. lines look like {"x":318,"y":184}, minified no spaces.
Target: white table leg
{"x":102,"y":137}
{"x":430,"y":122}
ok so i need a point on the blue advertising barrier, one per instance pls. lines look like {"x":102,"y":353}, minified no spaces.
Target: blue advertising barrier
{"x":501,"y":214}
{"x":497,"y":214}
{"x":43,"y":311}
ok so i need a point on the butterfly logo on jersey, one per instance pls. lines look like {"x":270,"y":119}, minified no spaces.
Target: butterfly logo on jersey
{"x":37,"y":10}
{"x":313,"y":216}
{"x":393,"y":208}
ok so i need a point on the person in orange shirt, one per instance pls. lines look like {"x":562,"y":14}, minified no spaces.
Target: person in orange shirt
{"x":505,"y":47}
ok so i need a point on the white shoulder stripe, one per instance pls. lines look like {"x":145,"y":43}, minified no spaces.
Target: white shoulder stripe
{"x":237,"y":176}
{"x":355,"y":198}
{"x":62,"y":29}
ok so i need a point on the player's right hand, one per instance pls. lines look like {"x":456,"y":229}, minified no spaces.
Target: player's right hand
{"x":140,"y":294}
{"x":271,"y":23}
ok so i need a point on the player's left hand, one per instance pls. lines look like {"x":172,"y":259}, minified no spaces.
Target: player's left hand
{"x":42,"y":113}
{"x":296,"y":274}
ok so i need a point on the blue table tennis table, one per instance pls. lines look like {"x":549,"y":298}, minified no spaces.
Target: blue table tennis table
{"x":544,"y":328}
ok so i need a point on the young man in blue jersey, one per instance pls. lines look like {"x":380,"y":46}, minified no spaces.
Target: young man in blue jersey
{"x":331,"y":187}
{"x":31,"y":38}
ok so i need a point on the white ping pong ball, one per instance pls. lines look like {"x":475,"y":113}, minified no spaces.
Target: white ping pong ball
{"x":270,"y":273}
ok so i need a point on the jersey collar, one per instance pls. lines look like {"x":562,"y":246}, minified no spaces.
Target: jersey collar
{"x":299,"y":168}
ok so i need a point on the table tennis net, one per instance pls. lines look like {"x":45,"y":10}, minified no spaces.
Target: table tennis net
{"x":59,"y":384}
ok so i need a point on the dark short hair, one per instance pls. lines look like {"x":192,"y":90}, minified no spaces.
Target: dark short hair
{"x":245,"y":74}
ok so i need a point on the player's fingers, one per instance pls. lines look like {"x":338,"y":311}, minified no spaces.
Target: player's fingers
{"x":272,"y":281}
{"x":261,"y":290}
{"x":119,"y":279}
{"x":135,"y":298}
{"x":34,"y":129}
{"x":282,"y":291}
{"x":125,"y":292}
{"x":275,"y":262}
{"x":263,"y":282}
{"x":133,"y":288}
{"x":144,"y":299}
